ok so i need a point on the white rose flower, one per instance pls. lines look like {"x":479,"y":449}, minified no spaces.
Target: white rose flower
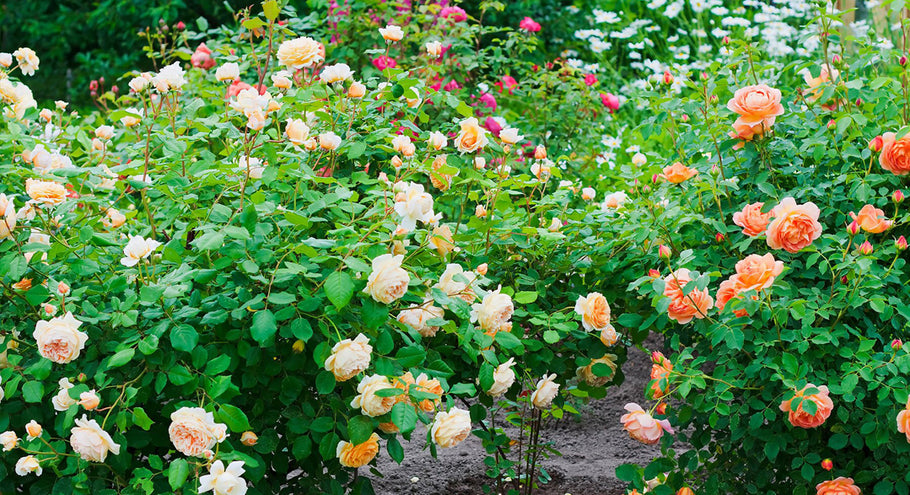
{"x":456,"y":282}
{"x":137,"y":249}
{"x":193,"y":430}
{"x":336,"y":73}
{"x":329,"y":141}
{"x":503,"y":378}
{"x":546,"y":391}
{"x":28,"y":464}
{"x":91,"y":442}
{"x":228,"y":72}
{"x":62,"y":401}
{"x":60,"y":339}
{"x":413,"y":204}
{"x":510,"y":135}
{"x":391,"y":33}
{"x":494,"y":311}
{"x":9,"y":440}
{"x":221,"y":481}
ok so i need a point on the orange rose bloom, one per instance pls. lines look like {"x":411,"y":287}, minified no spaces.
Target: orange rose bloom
{"x":757,"y":272}
{"x":758,"y":104}
{"x":433,"y":386}
{"x":814,"y":83}
{"x":895,"y":156}
{"x":728,"y":291}
{"x":840,"y":486}
{"x":660,"y":375}
{"x":752,"y":220}
{"x":678,"y":172}
{"x":685,"y":491}
{"x":871,"y":219}
{"x":472,"y":137}
{"x":684,"y":307}
{"x":355,"y":456}
{"x":800,"y":417}
{"x":794,"y":226}
{"x":903,"y":421}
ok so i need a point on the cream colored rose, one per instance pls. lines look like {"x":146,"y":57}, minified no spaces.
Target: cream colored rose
{"x":434,"y":48}
{"x":228,"y":72}
{"x":104,"y":132}
{"x":437,"y":140}
{"x":413,"y":204}
{"x":297,"y":131}
{"x":594,"y":311}
{"x":401,"y":143}
{"x":91,"y":442}
{"x":357,"y":90}
{"x":388,"y":282}
{"x":169,"y":78}
{"x":456,"y":282}
{"x":442,"y":240}
{"x":221,"y":481}
{"x":9,"y":440}
{"x":299,"y":53}
{"x":586,"y":373}
{"x":369,"y":403}
{"x":193,"y":431}
{"x":89,"y":400}
{"x":62,"y":401}
{"x":137,"y":249}
{"x":472,"y":137}
{"x":391,"y":33}
{"x":28,"y":61}
{"x":503,"y":378}
{"x":282,"y":80}
{"x":33,"y":429}
{"x":510,"y":135}
{"x":417,"y":318}
{"x":6,"y":59}
{"x":608,"y":335}
{"x":349,"y":357}
{"x":45,"y":192}
{"x":451,"y":427}
{"x":336,"y":73}
{"x":555,"y":225}
{"x":133,"y":117}
{"x":113,"y":218}
{"x":28,"y":464}
{"x":494,"y":311}
{"x":545,"y":392}
{"x":329,"y":141}
{"x":60,"y":339}
{"x":137,"y":84}
{"x":8,"y":217}
{"x":588,"y":193}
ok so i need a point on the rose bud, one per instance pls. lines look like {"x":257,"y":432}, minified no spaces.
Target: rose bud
{"x":713,"y":99}
{"x":853,"y":228}
{"x":249,"y":438}
{"x":865,"y":248}
{"x":876,"y":144}
{"x":896,"y":344}
{"x":661,"y":408}
{"x":827,"y":464}
{"x":180,"y":26}
{"x":664,"y":251}
{"x":836,"y":59}
{"x":33,"y":429}
{"x":101,"y":80}
{"x":482,"y":269}
{"x":540,"y":152}
{"x":898,"y":196}
{"x":832,"y":124}
{"x":668,"y":78}
{"x":298,"y":346}
{"x":654,"y":273}
{"x":719,"y":237}
{"x":844,"y":279}
{"x":859,"y":102}
{"x":684,"y":118}
{"x":480,"y":211}
{"x":208,"y":454}
{"x":726,"y":40}
{"x":900,"y":243}
{"x":902,"y":60}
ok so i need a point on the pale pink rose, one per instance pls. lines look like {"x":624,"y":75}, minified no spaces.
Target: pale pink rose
{"x":60,"y":339}
{"x":89,"y":400}
{"x":642,"y":427}
{"x":91,"y":442}
{"x":193,"y":431}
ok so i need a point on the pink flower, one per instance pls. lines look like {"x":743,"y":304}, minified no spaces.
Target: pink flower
{"x":492,"y":126}
{"x":529,"y":25}
{"x":384,"y":62}
{"x":642,"y":427}
{"x":454,"y":14}
{"x":452,"y":85}
{"x":610,"y":101}
{"x":507,"y":82}
{"x":489,"y":100}
{"x":591,"y":80}
{"x":202,"y":58}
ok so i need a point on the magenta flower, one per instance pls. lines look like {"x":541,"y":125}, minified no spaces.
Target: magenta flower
{"x":489,"y":101}
{"x":529,"y":25}
{"x":610,"y":101}
{"x":455,"y":14}
{"x":384,"y":62}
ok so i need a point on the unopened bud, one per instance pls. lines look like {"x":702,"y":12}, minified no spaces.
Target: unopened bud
{"x":662,"y":409}
{"x":876,"y":144}
{"x":902,"y":60}
{"x":853,"y":228}
{"x":719,"y":237}
{"x":664,"y":251}
{"x":897,"y":344}
{"x":540,"y":152}
{"x":898,"y":196}
{"x":832,"y":124}
{"x":865,"y":248}
{"x":901,"y":243}
{"x":249,"y":438}
{"x":827,"y":464}
{"x":482,"y":269}
{"x":668,"y":78}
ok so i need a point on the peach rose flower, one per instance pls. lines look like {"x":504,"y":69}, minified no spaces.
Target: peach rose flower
{"x":895,"y":155}
{"x":608,"y":335}
{"x":546,"y":391}
{"x":684,"y":307}
{"x":756,"y":104}
{"x":8,"y":217}
{"x":297,"y":131}
{"x":871,"y":219}
{"x":45,"y":191}
{"x":472,"y":137}
{"x":28,"y":464}
{"x":642,"y":427}
{"x":678,"y":173}
{"x":756,"y":272}
{"x":586,"y":373}
{"x":60,"y":339}
{"x":91,"y":442}
{"x":456,"y":282}
{"x":494,"y":311}
{"x":417,"y":318}
{"x":728,"y":291}
{"x":300,"y":52}
{"x":369,"y":403}
{"x":442,"y":240}
{"x":799,"y":417}
{"x":794,"y":226}
{"x":752,"y":220}
{"x":504,"y":377}
{"x":815,"y":83}
{"x":349,"y":357}
{"x":113,"y":219}
{"x":594,"y":311}
{"x":660,"y":375}
{"x":903,"y":421}
{"x":33,"y":429}
{"x":451,"y":427}
{"x":193,"y":430}
{"x":355,"y":456}
{"x":839,"y":486}
{"x":432,"y":386}
{"x":388,"y":281}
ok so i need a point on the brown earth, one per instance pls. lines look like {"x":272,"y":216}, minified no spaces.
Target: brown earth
{"x":592,"y":447}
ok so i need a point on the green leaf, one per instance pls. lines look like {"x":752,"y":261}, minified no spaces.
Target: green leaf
{"x":359,"y":429}
{"x":271,"y":10}
{"x":209,"y":241}
{"x":234,"y":418}
{"x":121,"y":358}
{"x":264,"y":326}
{"x":141,"y":419}
{"x":396,"y":451}
{"x":628,"y":472}
{"x":177,"y":473}
{"x":325,"y":382}
{"x":33,"y":391}
{"x":339,"y":287}
{"x":404,"y":416}
{"x":184,"y":338}
{"x":525,"y":297}
{"x":838,"y":441}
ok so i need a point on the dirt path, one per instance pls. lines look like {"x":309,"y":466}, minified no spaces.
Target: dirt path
{"x":591,"y":448}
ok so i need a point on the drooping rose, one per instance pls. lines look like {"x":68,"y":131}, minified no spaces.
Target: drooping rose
{"x":62,"y":401}
{"x":355,"y":456}
{"x":546,"y":391}
{"x":9,"y":440}
{"x":586,"y":373}
{"x":642,"y":427}
{"x":794,"y":226}
{"x":504,"y":377}
{"x":28,"y":464}
{"x":594,"y":310}
{"x":871,"y":219}
{"x":349,"y":357}
{"x":193,"y":430}
{"x":450,"y":427}
{"x":802,"y":419}
{"x":91,"y":442}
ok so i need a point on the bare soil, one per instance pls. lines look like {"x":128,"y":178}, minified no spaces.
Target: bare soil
{"x":592,"y":447}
